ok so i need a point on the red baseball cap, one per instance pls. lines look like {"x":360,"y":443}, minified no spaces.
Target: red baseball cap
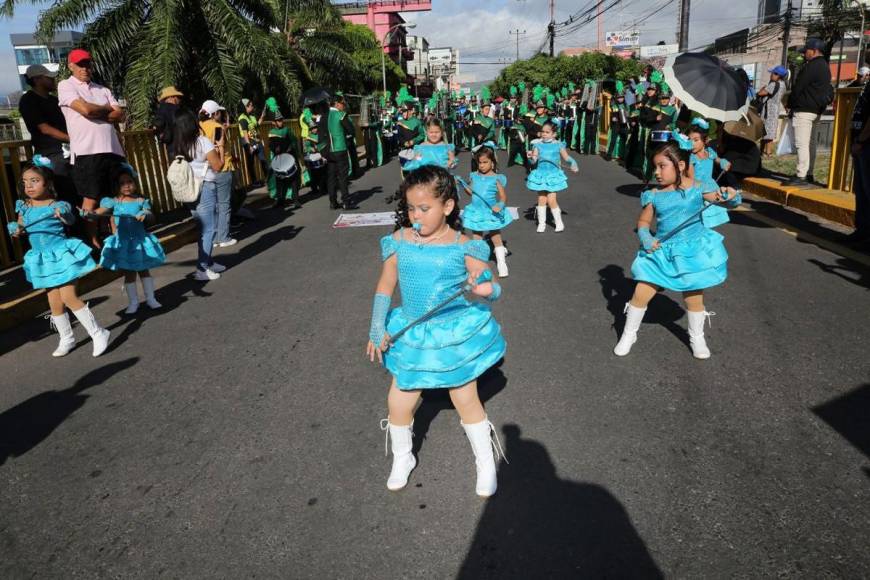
{"x":77,"y":55}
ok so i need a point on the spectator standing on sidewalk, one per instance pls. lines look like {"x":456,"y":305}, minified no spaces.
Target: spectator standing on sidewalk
{"x":213,"y":121}
{"x":91,"y":112}
{"x":46,"y":124}
{"x":810,"y":95}
{"x":169,"y":101}
{"x":861,"y":167}
{"x":770,"y":99}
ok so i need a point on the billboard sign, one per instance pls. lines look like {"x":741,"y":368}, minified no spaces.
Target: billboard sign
{"x":622,"y":38}
{"x":659,"y":50}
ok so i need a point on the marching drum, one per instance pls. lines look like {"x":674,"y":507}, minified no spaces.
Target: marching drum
{"x":284,"y":166}
{"x":315,"y":160}
{"x":660,"y":136}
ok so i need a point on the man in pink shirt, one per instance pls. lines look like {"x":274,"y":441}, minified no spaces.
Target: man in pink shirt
{"x":91,"y":112}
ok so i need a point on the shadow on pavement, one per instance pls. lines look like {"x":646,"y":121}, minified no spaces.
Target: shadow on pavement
{"x":358,"y":197}
{"x":540,"y":526}
{"x":849,"y":415}
{"x":617,"y":290}
{"x":843,"y":267}
{"x":27,"y":424}
{"x":631,"y":189}
{"x":489,"y":384}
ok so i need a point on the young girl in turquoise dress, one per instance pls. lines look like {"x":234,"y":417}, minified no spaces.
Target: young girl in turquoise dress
{"x":433,"y":151}
{"x":685,"y":255}
{"x":701,"y":166}
{"x":54,"y":261}
{"x":429,"y":258}
{"x":547,"y":177}
{"x":131,"y":248}
{"x":487,"y":214}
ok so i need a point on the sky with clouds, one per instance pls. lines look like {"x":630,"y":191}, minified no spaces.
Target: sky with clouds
{"x":480,"y":29}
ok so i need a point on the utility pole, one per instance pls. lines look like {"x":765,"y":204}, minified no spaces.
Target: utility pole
{"x":517,"y":33}
{"x":684,"y":25}
{"x":785,"y":34}
{"x":551,"y":28}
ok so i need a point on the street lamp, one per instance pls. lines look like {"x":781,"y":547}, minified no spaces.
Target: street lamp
{"x":384,"y":46}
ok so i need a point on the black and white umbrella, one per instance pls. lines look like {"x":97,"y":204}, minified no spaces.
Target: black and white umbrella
{"x":315,"y":95}
{"x":708,"y":86}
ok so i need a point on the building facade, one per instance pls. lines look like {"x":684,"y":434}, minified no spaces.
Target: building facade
{"x":29,"y":51}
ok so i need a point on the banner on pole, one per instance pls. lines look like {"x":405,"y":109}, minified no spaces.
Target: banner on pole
{"x":620,"y":38}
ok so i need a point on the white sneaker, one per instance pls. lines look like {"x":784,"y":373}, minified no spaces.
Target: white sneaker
{"x":228,"y":243}
{"x":206,"y":275}
{"x":217,"y":268}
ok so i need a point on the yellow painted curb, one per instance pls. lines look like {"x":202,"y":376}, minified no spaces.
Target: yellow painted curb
{"x":834,"y":205}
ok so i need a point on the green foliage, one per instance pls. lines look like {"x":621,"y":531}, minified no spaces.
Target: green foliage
{"x":564,"y":70}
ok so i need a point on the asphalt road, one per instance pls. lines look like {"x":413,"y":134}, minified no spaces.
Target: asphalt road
{"x":234,"y":434}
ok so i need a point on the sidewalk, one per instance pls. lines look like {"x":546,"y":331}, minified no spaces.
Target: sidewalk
{"x":833,"y":205}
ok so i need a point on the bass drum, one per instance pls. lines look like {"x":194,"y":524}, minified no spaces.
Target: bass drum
{"x":660,"y":136}
{"x":284,"y":166}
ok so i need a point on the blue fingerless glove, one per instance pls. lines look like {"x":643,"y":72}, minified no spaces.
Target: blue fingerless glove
{"x":12,"y":228}
{"x":380,"y":308}
{"x":646,"y":238}
{"x":496,"y":292}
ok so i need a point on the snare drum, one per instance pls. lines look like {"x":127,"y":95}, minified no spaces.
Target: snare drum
{"x":660,"y":136}
{"x":499,"y":123}
{"x":284,"y":166}
{"x":508,"y":123}
{"x":405,"y":156}
{"x":315,"y":160}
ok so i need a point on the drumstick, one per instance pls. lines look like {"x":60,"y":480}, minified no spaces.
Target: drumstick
{"x":485,"y":276}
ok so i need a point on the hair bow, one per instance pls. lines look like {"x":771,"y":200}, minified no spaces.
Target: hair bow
{"x":42,"y":161}
{"x":684,"y":142}
{"x":130,"y":169}
{"x":701,"y":122}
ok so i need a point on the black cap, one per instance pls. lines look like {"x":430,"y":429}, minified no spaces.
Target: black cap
{"x":813,"y":44}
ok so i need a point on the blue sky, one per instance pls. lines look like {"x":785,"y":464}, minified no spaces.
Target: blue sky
{"x":480,"y":30}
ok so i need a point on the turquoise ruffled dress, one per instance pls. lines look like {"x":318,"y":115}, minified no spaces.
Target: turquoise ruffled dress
{"x":715,"y":216}
{"x":53,"y":259}
{"x":547,"y":174}
{"x":459,"y":343}
{"x":430,"y":154}
{"x":695,"y":257}
{"x":478,"y":215}
{"x":132,"y":248}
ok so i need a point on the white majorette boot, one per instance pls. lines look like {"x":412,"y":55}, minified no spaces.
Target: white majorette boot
{"x":64,"y":329}
{"x":696,"y":333}
{"x":403,"y":459}
{"x":501,"y":261}
{"x":485,"y":451}
{"x":557,"y":218}
{"x":99,"y":335}
{"x":148,"y":287}
{"x":633,"y":318}
{"x":132,"y":298}
{"x":542,"y":218}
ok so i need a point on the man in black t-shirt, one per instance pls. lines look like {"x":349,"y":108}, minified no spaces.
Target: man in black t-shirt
{"x":861,"y":167}
{"x":47,"y":126}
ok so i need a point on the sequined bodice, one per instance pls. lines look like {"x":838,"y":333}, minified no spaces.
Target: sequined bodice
{"x":43,"y":229}
{"x":549,"y":156}
{"x":124,"y":215}
{"x":704,"y":167}
{"x":673,"y":208}
{"x":436,"y":154}
{"x":430,"y":274}
{"x":485,"y":186}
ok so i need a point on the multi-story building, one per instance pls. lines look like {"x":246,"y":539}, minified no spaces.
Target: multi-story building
{"x":28,"y":50}
{"x":383,"y":16}
{"x":443,"y":64}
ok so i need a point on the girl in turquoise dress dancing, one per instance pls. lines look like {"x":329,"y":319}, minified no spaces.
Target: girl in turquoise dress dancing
{"x":487,"y":214}
{"x":701,"y":165}
{"x":430,"y":260}
{"x":131,"y":248}
{"x":685,"y":255}
{"x":547,"y":178}
{"x":433,"y":151}
{"x":54,"y":261}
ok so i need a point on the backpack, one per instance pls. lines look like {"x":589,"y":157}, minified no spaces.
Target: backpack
{"x":185,"y":185}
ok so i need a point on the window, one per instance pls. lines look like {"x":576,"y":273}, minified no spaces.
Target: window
{"x":29,"y":56}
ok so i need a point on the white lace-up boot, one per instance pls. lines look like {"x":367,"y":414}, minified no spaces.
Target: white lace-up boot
{"x":542,"y":218}
{"x":148,"y":287}
{"x":64,"y":329}
{"x":501,"y":261}
{"x":696,"y":333}
{"x":557,"y":218}
{"x":98,"y":334}
{"x":480,"y":435}
{"x":403,"y":459}
{"x":633,"y":318}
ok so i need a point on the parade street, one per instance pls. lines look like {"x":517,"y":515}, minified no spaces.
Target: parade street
{"x":235,"y":433}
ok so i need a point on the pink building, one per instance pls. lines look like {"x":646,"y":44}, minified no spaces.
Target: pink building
{"x":380,"y":16}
